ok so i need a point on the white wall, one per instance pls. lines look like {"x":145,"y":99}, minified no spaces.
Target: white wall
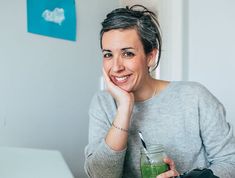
{"x":171,"y":21}
{"x":46,"y":84}
{"x":211,"y":46}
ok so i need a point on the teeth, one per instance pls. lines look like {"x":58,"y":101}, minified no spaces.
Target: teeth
{"x":121,"y":78}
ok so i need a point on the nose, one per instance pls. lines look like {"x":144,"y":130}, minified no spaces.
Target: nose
{"x":117,"y":65}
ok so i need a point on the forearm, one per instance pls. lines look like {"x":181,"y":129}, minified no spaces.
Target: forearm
{"x":104,"y":162}
{"x":106,"y":158}
{"x":117,"y":135}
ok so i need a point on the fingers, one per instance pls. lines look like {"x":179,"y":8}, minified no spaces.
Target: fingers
{"x":106,"y":77}
{"x":115,"y":91}
{"x":120,"y":95}
{"x":109,"y":83}
{"x":168,"y":174}
{"x":170,"y":162}
{"x":172,"y":172}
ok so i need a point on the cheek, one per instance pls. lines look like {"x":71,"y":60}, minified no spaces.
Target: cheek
{"x":106,"y":65}
{"x":139,"y":67}
{"x":144,"y":66}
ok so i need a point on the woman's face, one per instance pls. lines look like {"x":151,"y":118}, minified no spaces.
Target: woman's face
{"x":124,"y":59}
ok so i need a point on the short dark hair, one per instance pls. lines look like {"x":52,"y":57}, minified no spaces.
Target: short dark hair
{"x":140,"y":18}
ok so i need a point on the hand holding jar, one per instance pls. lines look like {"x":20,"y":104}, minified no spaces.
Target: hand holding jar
{"x":155,"y":163}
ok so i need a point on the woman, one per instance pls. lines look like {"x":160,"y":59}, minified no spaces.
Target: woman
{"x":183,"y":116}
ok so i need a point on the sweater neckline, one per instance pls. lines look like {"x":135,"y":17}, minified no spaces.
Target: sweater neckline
{"x":155,"y":97}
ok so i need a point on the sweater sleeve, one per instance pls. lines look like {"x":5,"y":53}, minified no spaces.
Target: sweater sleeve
{"x":100,"y":160}
{"x":217,"y":136}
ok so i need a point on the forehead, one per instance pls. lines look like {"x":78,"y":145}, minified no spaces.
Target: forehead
{"x":121,"y":38}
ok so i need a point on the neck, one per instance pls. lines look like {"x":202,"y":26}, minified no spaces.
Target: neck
{"x":148,"y":90}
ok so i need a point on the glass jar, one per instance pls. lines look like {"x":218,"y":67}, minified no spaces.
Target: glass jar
{"x":151,"y":161}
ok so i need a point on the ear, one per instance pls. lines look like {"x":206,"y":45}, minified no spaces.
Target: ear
{"x":151,"y":57}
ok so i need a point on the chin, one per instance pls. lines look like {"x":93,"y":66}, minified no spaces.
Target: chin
{"x":125,"y":88}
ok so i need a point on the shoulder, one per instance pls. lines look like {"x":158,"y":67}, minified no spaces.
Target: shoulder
{"x":190,"y":85}
{"x":197,"y":91}
{"x":101,"y":97}
{"x":195,"y":88}
{"x":103,"y":100}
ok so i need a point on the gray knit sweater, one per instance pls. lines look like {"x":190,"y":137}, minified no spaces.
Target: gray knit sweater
{"x":186,"y":118}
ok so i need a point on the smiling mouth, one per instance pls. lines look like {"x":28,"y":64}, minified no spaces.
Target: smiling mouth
{"x":120,"y":80}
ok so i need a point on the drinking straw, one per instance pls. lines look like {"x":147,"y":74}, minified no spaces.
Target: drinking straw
{"x":144,"y":145}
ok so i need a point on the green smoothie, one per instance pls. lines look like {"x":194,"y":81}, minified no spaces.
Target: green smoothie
{"x":152,"y":170}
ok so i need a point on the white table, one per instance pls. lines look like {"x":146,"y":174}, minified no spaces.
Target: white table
{"x":32,"y":163}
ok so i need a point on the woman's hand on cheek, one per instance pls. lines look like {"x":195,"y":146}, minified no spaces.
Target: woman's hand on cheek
{"x":120,"y":95}
{"x":170,"y":173}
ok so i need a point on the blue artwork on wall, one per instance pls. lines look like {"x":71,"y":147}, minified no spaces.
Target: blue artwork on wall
{"x":54,"y":18}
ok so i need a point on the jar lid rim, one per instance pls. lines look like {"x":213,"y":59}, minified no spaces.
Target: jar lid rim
{"x":153,"y":148}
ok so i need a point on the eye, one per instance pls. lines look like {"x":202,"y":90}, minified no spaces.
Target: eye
{"x":107,"y":55}
{"x":128,"y":54}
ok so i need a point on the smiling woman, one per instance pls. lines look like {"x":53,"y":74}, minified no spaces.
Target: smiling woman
{"x":176,"y":115}
{"x":124,"y":60}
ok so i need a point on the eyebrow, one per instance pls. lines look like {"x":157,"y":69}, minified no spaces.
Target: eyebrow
{"x":106,"y":50}
{"x":123,"y":49}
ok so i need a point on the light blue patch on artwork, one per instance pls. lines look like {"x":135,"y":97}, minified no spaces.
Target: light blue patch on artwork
{"x":55,"y":18}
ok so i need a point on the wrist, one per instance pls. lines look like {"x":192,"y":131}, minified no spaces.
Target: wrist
{"x":125,"y":109}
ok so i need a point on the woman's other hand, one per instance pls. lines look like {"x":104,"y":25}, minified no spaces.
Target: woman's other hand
{"x":170,"y":173}
{"x":120,"y":95}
